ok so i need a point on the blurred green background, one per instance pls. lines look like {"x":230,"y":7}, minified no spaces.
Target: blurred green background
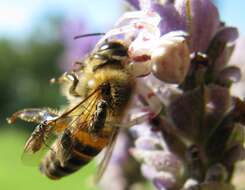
{"x":31,"y":49}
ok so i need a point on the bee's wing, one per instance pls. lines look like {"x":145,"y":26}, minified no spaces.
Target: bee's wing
{"x":108,"y":153}
{"x":81,"y":113}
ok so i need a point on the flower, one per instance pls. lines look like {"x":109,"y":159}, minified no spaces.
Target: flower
{"x":159,"y":165}
{"x":123,"y":171}
{"x":193,"y":134}
{"x":199,"y":18}
{"x":171,"y":60}
{"x":237,"y":60}
{"x":197,"y":132}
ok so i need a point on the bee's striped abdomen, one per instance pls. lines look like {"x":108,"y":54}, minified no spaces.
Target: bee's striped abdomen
{"x":75,"y":149}
{"x":82,"y":153}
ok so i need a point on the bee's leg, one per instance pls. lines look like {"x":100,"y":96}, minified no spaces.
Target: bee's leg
{"x":145,"y":116}
{"x":74,"y":79}
{"x":36,"y":115}
{"x":37,"y":138}
{"x":68,"y":77}
{"x":98,"y":117}
{"x":150,"y":100}
{"x":79,"y":66}
{"x":153,"y":107}
{"x":65,"y":147}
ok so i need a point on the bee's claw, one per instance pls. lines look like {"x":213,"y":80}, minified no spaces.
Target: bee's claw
{"x":13,"y":117}
{"x":11,"y":120}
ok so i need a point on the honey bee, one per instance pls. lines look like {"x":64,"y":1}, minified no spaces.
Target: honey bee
{"x":99,"y":94}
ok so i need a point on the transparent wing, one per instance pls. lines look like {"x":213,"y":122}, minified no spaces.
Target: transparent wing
{"x":80,"y":114}
{"x":42,"y":138}
{"x":107,"y":156}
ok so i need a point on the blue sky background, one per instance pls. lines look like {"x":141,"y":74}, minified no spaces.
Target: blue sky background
{"x":233,"y":13}
{"x":19,"y":17}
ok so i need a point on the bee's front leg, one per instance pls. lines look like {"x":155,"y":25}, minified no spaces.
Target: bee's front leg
{"x":68,"y":77}
{"x":36,"y":115}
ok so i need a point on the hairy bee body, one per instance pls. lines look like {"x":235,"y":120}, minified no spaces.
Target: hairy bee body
{"x":104,"y":73}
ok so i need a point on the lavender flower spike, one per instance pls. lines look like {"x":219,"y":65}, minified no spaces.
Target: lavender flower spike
{"x":199,"y":18}
{"x":200,"y":131}
{"x":193,"y":134}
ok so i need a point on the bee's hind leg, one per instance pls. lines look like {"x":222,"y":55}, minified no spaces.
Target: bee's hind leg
{"x":68,"y":77}
{"x":153,"y":107}
{"x":35,"y":115}
{"x":144,"y":117}
{"x":65,"y":147}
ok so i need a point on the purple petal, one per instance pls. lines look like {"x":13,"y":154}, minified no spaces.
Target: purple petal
{"x":134,"y":3}
{"x":230,"y":75}
{"x":222,"y":57}
{"x":148,"y":171}
{"x":188,"y":120}
{"x":120,"y":153}
{"x":222,"y":46}
{"x":163,"y":161}
{"x":142,"y":130}
{"x":217,"y":102}
{"x":202,"y":21}
{"x":171,"y":20}
{"x":113,"y":178}
{"x":227,"y":34}
{"x":147,"y":143}
{"x":164,"y":181}
{"x":161,"y":180}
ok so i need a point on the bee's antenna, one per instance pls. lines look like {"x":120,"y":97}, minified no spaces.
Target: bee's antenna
{"x":86,"y":35}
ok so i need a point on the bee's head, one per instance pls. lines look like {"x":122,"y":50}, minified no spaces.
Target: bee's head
{"x":110,"y":54}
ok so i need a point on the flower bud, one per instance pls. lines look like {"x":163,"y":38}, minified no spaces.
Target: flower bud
{"x":163,"y":161}
{"x":171,"y":60}
{"x":161,"y":179}
{"x":216,"y":173}
{"x":140,"y":69}
{"x":148,"y":143}
{"x":164,"y":181}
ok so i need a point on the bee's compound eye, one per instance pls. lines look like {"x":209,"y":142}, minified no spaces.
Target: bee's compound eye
{"x":104,"y":47}
{"x":115,"y":49}
{"x":111,"y":46}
